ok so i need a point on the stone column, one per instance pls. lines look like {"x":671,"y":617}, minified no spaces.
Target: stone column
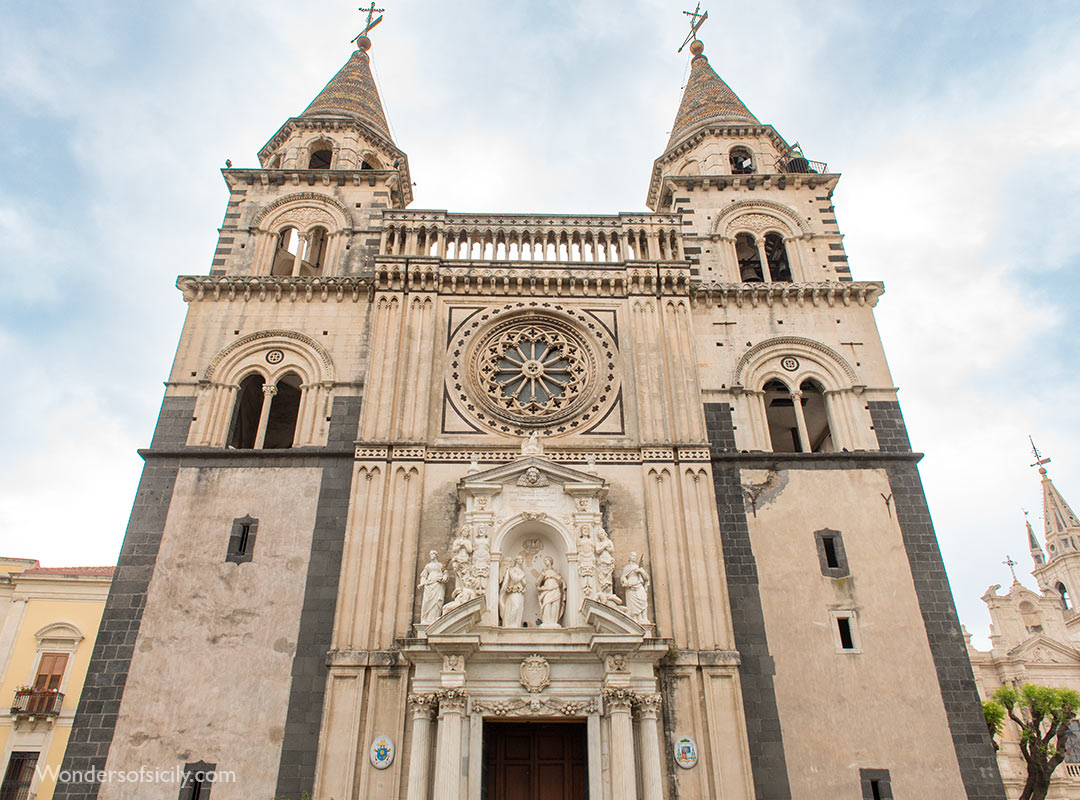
{"x":623,"y":775}
{"x":648,"y":708}
{"x":448,"y":746}
{"x":766,"y":275}
{"x":269,"y":390}
{"x":423,"y":707}
{"x":800,"y":420}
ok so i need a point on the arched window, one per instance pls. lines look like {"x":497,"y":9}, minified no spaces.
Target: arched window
{"x":314,"y":252}
{"x":1065,"y":603}
{"x":284,"y":408}
{"x":742,"y":163}
{"x":816,"y":418}
{"x":322,"y":154}
{"x":776,"y":253}
{"x":246,"y":413}
{"x":288,"y":245}
{"x":746,"y":250}
{"x":780,"y":414}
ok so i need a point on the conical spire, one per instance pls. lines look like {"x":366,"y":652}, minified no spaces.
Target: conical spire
{"x":707,"y":99}
{"x":1037,"y":554}
{"x":352,"y":93}
{"x":1059,"y":517}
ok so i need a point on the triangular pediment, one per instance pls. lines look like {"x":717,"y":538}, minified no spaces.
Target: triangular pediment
{"x":514,"y":471}
{"x":1042,"y":649}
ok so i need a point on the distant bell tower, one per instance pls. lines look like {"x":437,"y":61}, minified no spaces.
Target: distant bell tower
{"x":1058,"y":567}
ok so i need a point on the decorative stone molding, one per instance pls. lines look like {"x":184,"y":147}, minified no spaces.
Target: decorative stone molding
{"x":780,"y":344}
{"x":304,"y":200}
{"x":423,"y":705}
{"x":830,"y":293}
{"x":535,"y":706}
{"x":275,"y":334}
{"x":452,"y":701}
{"x":746,"y":214}
{"x":618,"y":699}
{"x":535,"y":674}
{"x":648,"y":705}
{"x":275,"y":289}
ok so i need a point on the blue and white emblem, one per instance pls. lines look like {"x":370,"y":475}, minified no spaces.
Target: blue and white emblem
{"x":382,"y":752}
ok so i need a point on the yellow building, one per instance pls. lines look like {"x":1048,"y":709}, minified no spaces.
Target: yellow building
{"x":48,"y":623}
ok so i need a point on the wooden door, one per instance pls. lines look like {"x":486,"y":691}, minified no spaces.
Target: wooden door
{"x":535,"y":761}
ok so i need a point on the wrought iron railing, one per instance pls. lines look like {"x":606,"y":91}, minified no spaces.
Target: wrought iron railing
{"x":37,"y":702}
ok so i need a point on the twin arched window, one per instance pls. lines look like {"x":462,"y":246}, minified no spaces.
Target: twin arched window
{"x":264,"y":416}
{"x":300,"y":254}
{"x":798,"y":419}
{"x":762,"y":260}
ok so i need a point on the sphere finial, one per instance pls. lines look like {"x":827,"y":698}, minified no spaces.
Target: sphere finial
{"x":363,"y":43}
{"x":697,"y":47}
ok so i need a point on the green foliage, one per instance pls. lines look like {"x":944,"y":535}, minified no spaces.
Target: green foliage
{"x":1042,"y":715}
{"x":994,"y":712}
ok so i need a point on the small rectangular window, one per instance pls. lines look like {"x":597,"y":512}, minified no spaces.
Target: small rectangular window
{"x":831,"y":555}
{"x":197,"y":781}
{"x":876,"y":784}
{"x":846,"y":631}
{"x":242,"y":540}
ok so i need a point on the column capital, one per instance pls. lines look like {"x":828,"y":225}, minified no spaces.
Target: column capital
{"x":423,"y":705}
{"x":452,"y":701}
{"x":648,"y":705}
{"x":618,"y":699}
{"x":269,"y":389}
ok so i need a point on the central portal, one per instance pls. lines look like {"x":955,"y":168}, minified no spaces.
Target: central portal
{"x":534,"y":761}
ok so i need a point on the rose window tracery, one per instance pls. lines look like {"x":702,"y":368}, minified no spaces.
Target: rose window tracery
{"x":532,"y":367}
{"x":533,"y":370}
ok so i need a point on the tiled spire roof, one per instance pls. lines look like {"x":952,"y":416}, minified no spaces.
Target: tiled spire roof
{"x":1059,"y":517}
{"x":707,"y":99}
{"x":352,"y":93}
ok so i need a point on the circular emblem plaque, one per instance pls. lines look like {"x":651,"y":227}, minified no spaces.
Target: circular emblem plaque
{"x":382,"y":752}
{"x":790,"y":363}
{"x":275,"y":357}
{"x":686,"y":752}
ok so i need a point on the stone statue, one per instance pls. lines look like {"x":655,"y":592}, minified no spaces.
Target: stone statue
{"x":587,"y":562}
{"x":605,"y":568}
{"x":433,"y":583}
{"x":551,"y":589}
{"x":461,"y":551}
{"x":635,"y":583}
{"x":512,"y":594}
{"x":481,"y":557}
{"x":532,"y":446}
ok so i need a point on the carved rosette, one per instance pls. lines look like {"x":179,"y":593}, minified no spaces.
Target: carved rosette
{"x":618,"y":700}
{"x":452,"y":701}
{"x":423,"y":705}
{"x":647,"y":705}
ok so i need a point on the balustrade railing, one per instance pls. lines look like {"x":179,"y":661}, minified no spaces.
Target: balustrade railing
{"x":37,"y":702}
{"x":532,"y":238}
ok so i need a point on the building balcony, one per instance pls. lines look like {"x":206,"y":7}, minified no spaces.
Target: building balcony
{"x":37,"y":703}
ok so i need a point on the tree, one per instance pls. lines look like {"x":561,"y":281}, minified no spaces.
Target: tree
{"x":1043,"y":715}
{"x":995,"y":718}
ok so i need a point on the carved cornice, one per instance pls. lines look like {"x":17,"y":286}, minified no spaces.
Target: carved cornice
{"x":544,"y":222}
{"x":831,"y":293}
{"x":274,"y":289}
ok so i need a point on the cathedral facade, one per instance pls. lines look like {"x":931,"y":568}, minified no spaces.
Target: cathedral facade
{"x":451,"y":505}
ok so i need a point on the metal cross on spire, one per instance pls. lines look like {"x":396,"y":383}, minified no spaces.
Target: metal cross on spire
{"x":371,"y":23}
{"x":1039,"y":460}
{"x":697,"y":19}
{"x":1008,"y":562}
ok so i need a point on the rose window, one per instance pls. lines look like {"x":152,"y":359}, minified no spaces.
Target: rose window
{"x":532,"y":371}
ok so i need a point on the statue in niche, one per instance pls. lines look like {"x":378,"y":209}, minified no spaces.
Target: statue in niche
{"x":551,"y":589}
{"x":635,"y":583}
{"x":605,"y":569}
{"x":461,"y":552}
{"x":433,"y":583}
{"x":512,"y":594}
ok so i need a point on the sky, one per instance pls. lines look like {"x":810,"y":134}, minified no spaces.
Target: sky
{"x":956,"y":128}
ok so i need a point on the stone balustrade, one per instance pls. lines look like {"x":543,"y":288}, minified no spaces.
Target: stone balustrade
{"x":533,"y":238}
